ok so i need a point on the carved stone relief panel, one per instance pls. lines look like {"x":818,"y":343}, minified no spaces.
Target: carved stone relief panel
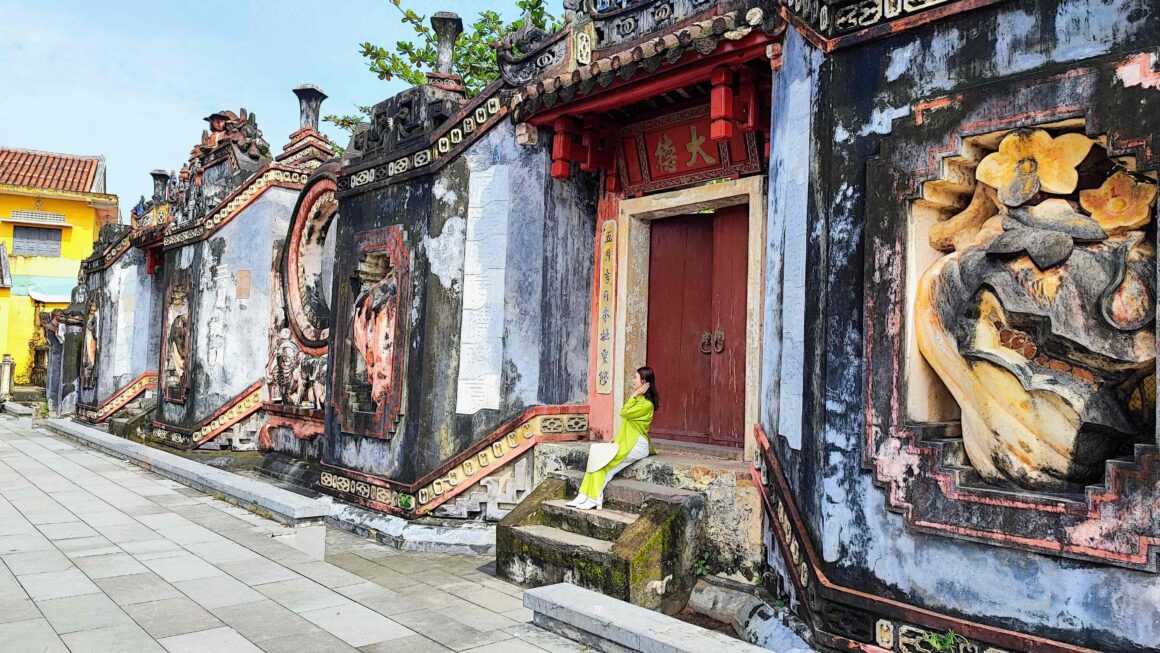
{"x":177,"y":343}
{"x":307,"y":261}
{"x":91,"y":338}
{"x":1038,"y":318}
{"x":372,"y":349}
{"x":1010,"y":317}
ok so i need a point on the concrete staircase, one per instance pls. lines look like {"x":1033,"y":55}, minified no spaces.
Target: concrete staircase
{"x":641,"y":548}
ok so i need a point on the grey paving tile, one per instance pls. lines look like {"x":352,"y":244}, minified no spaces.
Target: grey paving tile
{"x":109,"y":518}
{"x":122,"y":639}
{"x":122,"y":533}
{"x":17,"y":608}
{"x":408,"y":644}
{"x":107,"y":566}
{"x":218,"y":591}
{"x":448,"y":632}
{"x":519,"y":615}
{"x":546,"y":640}
{"x":164,"y":519}
{"x":508,"y":646}
{"x":219,"y":552}
{"x":191,"y":534}
{"x":486,"y":597}
{"x":379,"y":599}
{"x":182,"y":567}
{"x":431,"y":597}
{"x":57,"y":585}
{"x":218,"y":640}
{"x":391,"y":579}
{"x":320,"y":641}
{"x":67,"y":530}
{"x":327,"y":574}
{"x":171,"y":617}
{"x":356,"y":625}
{"x":86,"y":546}
{"x":153,"y":549}
{"x":477,"y":617}
{"x":264,"y":620}
{"x":86,"y":612}
{"x":137,"y":588}
{"x":23,"y":543}
{"x":258,"y":572}
{"x":302,"y":595}
{"x":36,"y":562}
{"x":33,"y":635}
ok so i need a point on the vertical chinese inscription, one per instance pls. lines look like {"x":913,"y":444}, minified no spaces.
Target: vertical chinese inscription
{"x":604,"y":307}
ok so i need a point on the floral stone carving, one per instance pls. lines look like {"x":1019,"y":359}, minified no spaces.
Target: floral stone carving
{"x":1039,"y":319}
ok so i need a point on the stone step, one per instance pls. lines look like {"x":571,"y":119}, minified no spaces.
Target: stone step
{"x":586,"y":617}
{"x":562,"y":540}
{"x":649,"y":563}
{"x":606,"y":524}
{"x":697,"y":450}
{"x":626,"y":495}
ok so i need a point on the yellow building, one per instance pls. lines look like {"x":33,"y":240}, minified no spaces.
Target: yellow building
{"x":51,"y":208}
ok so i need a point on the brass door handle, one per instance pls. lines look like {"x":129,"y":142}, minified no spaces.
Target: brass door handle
{"x":719,"y":341}
{"x":706,"y":343}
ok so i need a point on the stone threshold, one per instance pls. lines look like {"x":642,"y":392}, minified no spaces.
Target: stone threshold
{"x":258,"y":497}
{"x":614,"y":626}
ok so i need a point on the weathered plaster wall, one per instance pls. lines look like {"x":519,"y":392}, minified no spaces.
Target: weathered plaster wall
{"x":500,"y":280}
{"x":861,"y":91}
{"x":128,"y":338}
{"x":230,"y":329}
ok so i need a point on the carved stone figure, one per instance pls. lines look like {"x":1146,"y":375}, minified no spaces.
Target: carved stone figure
{"x":176,"y":339}
{"x":1039,"y":320}
{"x":376,"y":310}
{"x":89,"y":350}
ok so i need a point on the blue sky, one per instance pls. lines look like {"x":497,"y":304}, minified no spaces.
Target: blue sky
{"x":132,"y":79}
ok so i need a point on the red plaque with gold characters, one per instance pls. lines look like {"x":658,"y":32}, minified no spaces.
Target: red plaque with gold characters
{"x":676,"y":150}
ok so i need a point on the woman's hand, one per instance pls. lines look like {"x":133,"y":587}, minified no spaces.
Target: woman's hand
{"x":640,"y":390}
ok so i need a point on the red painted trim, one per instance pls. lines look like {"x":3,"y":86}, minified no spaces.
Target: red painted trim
{"x":455,"y":461}
{"x":895,"y":609}
{"x":117,"y":400}
{"x":254,"y":387}
{"x":691,"y":69}
{"x":304,"y":428}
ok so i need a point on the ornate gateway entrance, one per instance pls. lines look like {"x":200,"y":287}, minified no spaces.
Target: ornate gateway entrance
{"x":696,"y":325}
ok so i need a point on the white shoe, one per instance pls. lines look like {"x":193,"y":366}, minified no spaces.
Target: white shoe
{"x":580,"y":498}
{"x":592,"y":504}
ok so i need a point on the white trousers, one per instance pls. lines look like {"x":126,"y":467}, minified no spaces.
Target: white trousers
{"x":639,"y":452}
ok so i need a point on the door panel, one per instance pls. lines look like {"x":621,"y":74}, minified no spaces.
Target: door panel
{"x":727,"y":376}
{"x":698,"y":266}
{"x":680,"y":300}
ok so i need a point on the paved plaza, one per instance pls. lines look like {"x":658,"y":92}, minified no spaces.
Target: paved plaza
{"x":100,"y":555}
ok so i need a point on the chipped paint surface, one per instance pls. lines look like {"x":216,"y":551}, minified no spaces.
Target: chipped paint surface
{"x":445,"y":252}
{"x":862,"y":92}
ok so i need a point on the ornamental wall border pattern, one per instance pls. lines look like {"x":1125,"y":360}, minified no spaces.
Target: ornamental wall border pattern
{"x":897,"y":626}
{"x":444,"y":144}
{"x":273,"y":176}
{"x":865,"y":20}
{"x":237,"y":409}
{"x":118,"y":400}
{"x":494,"y":452}
{"x":101,"y":261}
{"x":1142,"y":551}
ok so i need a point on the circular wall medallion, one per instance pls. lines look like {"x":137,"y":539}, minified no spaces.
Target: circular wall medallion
{"x":308,"y":260}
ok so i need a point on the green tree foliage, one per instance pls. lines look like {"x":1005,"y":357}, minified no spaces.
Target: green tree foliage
{"x":474,"y":58}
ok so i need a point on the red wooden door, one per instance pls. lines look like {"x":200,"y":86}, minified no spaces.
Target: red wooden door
{"x":680,"y":301}
{"x":696,"y":325}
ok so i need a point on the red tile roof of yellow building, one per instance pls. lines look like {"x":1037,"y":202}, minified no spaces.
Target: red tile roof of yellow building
{"x":52,"y":171}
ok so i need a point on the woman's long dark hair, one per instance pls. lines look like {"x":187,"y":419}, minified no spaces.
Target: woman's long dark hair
{"x":646,"y":375}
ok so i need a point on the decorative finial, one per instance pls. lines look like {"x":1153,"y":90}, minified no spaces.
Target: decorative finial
{"x":448,"y":26}
{"x":160,"y":181}
{"x":310,"y":99}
